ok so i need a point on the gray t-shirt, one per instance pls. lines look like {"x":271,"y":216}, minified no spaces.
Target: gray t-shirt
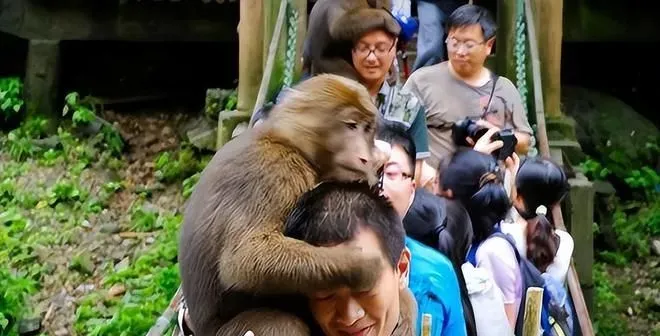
{"x":447,"y":99}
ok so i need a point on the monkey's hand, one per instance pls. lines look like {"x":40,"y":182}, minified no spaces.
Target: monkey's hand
{"x":270,"y":263}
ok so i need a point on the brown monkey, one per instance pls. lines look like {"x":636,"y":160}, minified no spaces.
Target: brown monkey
{"x":233,"y":257}
{"x":327,"y":48}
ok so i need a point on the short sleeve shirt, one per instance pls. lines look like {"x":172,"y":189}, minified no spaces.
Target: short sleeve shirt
{"x":447,"y":99}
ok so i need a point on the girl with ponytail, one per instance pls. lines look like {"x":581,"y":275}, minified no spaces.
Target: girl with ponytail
{"x":474,"y":179}
{"x":540,"y":184}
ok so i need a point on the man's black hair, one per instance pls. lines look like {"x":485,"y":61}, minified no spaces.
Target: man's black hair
{"x":468,"y":15}
{"x":396,"y":133}
{"x":333,"y":212}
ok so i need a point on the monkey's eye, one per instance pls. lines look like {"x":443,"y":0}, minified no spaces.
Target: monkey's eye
{"x":351,"y":124}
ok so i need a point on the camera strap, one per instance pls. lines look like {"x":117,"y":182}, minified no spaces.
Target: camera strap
{"x":448,"y":125}
{"x":490,"y":98}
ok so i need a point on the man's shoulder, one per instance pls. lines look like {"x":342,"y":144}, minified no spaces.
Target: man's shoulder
{"x":427,"y":260}
{"x":429,"y":73}
{"x":506,"y":84}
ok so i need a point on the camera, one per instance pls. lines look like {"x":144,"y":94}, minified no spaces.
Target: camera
{"x":468,"y":128}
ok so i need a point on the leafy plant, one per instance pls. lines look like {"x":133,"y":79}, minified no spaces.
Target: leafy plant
{"x":11,"y":97}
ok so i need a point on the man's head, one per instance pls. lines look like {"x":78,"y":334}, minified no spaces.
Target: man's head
{"x":470,"y":38}
{"x":399,"y":172}
{"x":374,"y":35}
{"x":338,"y":213}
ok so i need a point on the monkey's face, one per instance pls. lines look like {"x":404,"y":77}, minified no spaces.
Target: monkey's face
{"x":354,"y":155}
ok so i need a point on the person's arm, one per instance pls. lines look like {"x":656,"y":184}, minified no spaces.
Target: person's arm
{"x":419,"y":134}
{"x":521,"y":127}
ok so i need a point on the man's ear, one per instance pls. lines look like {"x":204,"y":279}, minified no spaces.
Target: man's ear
{"x":403,"y":267}
{"x":489,"y":44}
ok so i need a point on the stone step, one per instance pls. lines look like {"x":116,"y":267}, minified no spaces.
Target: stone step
{"x":564,"y":144}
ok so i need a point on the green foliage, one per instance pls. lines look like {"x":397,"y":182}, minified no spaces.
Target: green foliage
{"x":150,"y":282}
{"x":636,"y":218}
{"x":84,"y":113}
{"x":218,"y":100}
{"x":11,"y":97}
{"x":179,"y":165}
{"x":27,"y":208}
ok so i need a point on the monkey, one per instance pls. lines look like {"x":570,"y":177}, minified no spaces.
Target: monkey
{"x":327,"y":48}
{"x":235,"y":263}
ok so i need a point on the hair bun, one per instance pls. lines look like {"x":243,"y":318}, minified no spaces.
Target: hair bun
{"x":541,"y":210}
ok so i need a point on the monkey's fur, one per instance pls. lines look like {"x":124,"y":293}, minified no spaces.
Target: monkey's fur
{"x":334,"y":25}
{"x":233,"y":257}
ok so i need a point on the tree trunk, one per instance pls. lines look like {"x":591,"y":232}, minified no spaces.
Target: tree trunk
{"x":250,"y":51}
{"x":548,"y":17}
{"x":506,"y":39}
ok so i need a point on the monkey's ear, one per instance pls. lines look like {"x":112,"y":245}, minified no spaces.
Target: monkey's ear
{"x":353,"y":24}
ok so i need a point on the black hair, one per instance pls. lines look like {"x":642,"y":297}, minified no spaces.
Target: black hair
{"x":468,"y":15}
{"x":396,"y":133}
{"x":333,"y":212}
{"x":540,"y":182}
{"x":476,"y":182}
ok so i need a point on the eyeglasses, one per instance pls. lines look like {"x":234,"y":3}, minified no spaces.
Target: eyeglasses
{"x":381,"y":49}
{"x":455,"y":44}
{"x":393,"y":172}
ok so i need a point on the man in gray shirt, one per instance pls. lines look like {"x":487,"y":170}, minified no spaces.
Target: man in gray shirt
{"x":462,"y":87}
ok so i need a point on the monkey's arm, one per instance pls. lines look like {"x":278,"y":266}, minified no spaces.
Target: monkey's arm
{"x":270,"y":263}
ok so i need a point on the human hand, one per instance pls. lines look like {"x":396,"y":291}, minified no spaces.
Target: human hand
{"x":511,"y":164}
{"x":485,"y":144}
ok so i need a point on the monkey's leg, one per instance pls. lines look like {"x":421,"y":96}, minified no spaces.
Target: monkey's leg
{"x":270,"y":263}
{"x":265,"y":322}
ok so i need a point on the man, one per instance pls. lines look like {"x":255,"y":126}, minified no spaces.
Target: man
{"x":432,"y":15}
{"x":462,"y":87}
{"x":374,"y":36}
{"x":441,"y":224}
{"x":373,"y":54}
{"x":424,"y":215}
{"x":353,"y":214}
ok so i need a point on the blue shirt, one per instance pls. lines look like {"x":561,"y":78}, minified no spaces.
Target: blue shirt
{"x":435,"y":287}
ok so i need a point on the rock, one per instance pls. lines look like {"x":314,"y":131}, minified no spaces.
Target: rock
{"x":655,"y":246}
{"x":85,"y":223}
{"x":62,"y":299}
{"x":84,"y":289}
{"x":123,"y":264}
{"x":111,"y":228}
{"x":116,"y":290}
{"x":150,"y":240}
{"x":47,"y":143}
{"x":30,"y":326}
{"x":203,"y":138}
{"x":62,"y":332}
{"x":601,"y":130}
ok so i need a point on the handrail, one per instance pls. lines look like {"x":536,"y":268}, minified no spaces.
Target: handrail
{"x":270,"y":62}
{"x":572,"y":278}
